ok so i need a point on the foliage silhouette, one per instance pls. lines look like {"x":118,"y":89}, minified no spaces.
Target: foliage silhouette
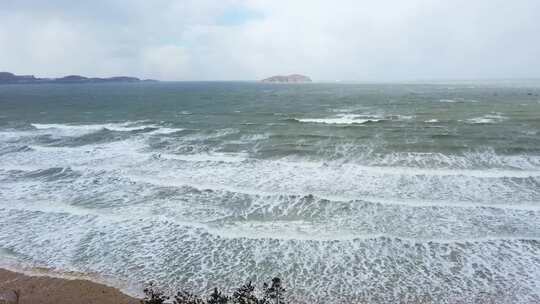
{"x":274,"y":293}
{"x":153,"y":295}
{"x":183,"y":297}
{"x":245,"y":294}
{"x":216,"y":297}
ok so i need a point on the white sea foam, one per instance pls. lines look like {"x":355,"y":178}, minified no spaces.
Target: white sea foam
{"x":351,"y":119}
{"x":121,"y":248}
{"x":73,"y":129}
{"x":90,"y":128}
{"x":254,"y":137}
{"x":165,"y":130}
{"x":279,"y":217}
{"x":475,"y":187}
{"x":212,"y":157}
{"x":458,"y":100}
{"x":353,"y":214}
{"x":255,"y":212}
{"x":92,"y":207}
{"x":342,"y":119}
{"x":487,"y":119}
{"x":402,"y":117}
{"x":212,"y":135}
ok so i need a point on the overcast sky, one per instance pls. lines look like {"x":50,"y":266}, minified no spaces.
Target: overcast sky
{"x":383,"y":40}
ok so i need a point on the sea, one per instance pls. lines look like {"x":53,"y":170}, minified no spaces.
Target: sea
{"x":349,"y":192}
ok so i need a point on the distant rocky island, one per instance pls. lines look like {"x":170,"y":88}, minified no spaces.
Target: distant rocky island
{"x":10,"y":78}
{"x":294,"y":78}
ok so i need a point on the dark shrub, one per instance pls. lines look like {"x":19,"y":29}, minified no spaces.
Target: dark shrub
{"x":274,"y":293}
{"x":153,"y":295}
{"x":217,"y":298}
{"x":187,"y":298}
{"x":245,"y":295}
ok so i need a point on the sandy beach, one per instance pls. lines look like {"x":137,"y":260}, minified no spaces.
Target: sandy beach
{"x":48,"y":290}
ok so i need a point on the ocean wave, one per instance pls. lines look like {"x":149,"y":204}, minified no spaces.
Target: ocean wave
{"x":165,"y":130}
{"x":264,"y":214}
{"x":354,"y":119}
{"x":357,"y":193}
{"x":479,"y":164}
{"x":342,"y":119}
{"x":487,"y":119}
{"x":265,"y":223}
{"x":483,"y":163}
{"x":314,"y":269}
{"x":255,"y":137}
{"x":382,"y":198}
{"x":211,"y":134}
{"x":50,"y":174}
{"x":73,"y":129}
{"x":14,"y":149}
{"x":127,"y":173}
{"x":399,"y":117}
{"x":373,"y":154}
{"x":91,"y":127}
{"x":290,"y":194}
{"x":205,"y":157}
{"x":458,"y":100}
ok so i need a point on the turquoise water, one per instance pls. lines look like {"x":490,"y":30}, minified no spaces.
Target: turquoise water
{"x":377,"y":192}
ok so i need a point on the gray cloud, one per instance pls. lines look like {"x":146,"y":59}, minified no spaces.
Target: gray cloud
{"x":251,"y":39}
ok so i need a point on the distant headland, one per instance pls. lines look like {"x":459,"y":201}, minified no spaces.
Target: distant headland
{"x":10,"y":78}
{"x":294,"y":78}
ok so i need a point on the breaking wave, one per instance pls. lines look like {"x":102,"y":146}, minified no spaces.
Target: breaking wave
{"x":426,"y":202}
{"x":342,"y":119}
{"x":487,"y":119}
{"x":74,"y":129}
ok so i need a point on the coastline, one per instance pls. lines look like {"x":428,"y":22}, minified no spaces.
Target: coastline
{"x":45,"y":289}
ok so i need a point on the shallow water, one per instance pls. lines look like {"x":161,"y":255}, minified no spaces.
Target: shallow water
{"x":382,"y":193}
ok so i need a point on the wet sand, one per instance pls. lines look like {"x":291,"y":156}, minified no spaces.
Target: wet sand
{"x":48,"y":290}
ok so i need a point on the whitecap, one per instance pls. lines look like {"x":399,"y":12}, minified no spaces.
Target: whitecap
{"x":342,"y":119}
{"x":458,"y":100}
{"x":164,"y":130}
{"x":254,"y":137}
{"x":487,"y":119}
{"x":73,"y":130}
{"x":206,"y":157}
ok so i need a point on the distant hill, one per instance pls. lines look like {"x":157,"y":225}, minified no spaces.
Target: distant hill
{"x":294,"y":78}
{"x":10,"y":78}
